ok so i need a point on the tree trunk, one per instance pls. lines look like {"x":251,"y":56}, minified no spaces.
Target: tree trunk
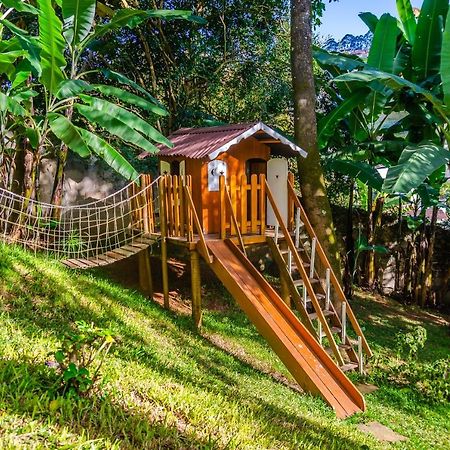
{"x":427,"y":279}
{"x":422,"y":248}
{"x":398,"y":252}
{"x":312,"y":182}
{"x":58,"y":185}
{"x":349,"y":246}
{"x":410,"y":264}
{"x":30,"y":162}
{"x":376,"y":216}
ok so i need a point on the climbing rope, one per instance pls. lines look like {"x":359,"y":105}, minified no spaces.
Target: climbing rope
{"x":84,"y":231}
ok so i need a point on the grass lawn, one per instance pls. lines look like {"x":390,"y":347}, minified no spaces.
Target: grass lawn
{"x":167,"y":387}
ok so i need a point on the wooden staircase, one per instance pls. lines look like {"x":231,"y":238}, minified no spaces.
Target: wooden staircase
{"x":314,"y":289}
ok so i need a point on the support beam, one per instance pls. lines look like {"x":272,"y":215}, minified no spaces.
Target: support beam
{"x":145,"y":273}
{"x":165,"y":273}
{"x":285,"y":293}
{"x":163,"y":226}
{"x":196,"y":288}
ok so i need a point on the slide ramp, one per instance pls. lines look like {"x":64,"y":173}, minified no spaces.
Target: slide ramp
{"x":306,"y":360}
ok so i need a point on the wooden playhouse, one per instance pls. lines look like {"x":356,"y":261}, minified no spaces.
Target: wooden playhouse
{"x":221,"y":190}
{"x":244,"y":154}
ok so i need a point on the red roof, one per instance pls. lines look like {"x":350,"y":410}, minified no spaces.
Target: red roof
{"x":211,"y":141}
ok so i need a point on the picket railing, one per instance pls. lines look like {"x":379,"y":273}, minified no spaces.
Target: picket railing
{"x":247,"y":205}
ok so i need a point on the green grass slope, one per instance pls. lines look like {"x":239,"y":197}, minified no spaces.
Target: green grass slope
{"x":167,"y":387}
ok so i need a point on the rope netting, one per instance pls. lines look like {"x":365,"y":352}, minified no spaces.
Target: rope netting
{"x":82,"y":231}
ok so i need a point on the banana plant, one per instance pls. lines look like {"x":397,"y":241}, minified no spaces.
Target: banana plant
{"x":59,"y":108}
{"x":398,"y":107}
{"x":360,"y":108}
{"x":412,"y":78}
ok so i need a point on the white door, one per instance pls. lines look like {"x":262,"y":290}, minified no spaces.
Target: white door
{"x":182,"y":168}
{"x":277,"y":176}
{"x":164,"y":167}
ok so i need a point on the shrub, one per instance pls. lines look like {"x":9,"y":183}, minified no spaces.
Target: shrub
{"x":431,"y":380}
{"x":410,"y":343}
{"x":81,"y":356}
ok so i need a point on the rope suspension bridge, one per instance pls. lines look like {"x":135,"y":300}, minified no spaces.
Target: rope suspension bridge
{"x":88,"y":235}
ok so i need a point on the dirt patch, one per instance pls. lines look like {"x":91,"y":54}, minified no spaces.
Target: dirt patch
{"x":214,"y":295}
{"x":366,"y":388}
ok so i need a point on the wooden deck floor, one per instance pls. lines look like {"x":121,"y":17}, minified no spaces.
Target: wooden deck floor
{"x":249,"y":239}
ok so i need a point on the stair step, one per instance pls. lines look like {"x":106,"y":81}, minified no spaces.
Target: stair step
{"x":336,"y":330}
{"x":345,"y":346}
{"x":326,"y":313}
{"x":285,"y":251}
{"x":306,"y":265}
{"x":349,"y":366}
{"x":299,"y":282}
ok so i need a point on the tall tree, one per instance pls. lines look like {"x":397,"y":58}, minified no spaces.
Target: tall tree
{"x":233,"y":68}
{"x":312,"y":181}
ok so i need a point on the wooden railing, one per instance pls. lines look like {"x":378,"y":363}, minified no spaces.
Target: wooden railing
{"x":142,"y":205}
{"x":178,"y":215}
{"x":242,"y":206}
{"x":176,"y":209}
{"x":305,"y":277}
{"x":326,"y":263}
{"x":234,"y":221}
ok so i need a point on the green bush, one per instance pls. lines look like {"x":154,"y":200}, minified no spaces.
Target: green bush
{"x":410,"y":343}
{"x":81,"y":356}
{"x":431,"y":380}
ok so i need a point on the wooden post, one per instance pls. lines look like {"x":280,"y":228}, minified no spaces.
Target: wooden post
{"x":233,"y":206}
{"x":196,"y":290}
{"x":243,"y":188}
{"x":223,"y":208}
{"x":163,"y":225}
{"x":254,"y":203}
{"x":285,"y":294}
{"x":291,"y":204}
{"x":262,"y":203}
{"x":145,"y":273}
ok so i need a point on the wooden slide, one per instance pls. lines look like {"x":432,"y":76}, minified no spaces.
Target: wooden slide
{"x":307,"y":361}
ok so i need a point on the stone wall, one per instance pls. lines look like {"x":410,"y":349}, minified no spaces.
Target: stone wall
{"x":85,"y":180}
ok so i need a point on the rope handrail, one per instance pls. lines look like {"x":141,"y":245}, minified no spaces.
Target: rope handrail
{"x":85,"y":232}
{"x":50,"y":205}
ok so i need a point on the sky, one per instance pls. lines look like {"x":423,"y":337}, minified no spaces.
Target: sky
{"x":341,"y":18}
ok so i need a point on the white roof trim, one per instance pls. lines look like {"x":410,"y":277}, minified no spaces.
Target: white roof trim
{"x":250,"y":132}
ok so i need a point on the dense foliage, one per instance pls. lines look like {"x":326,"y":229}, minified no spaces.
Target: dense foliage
{"x":85,"y":76}
{"x":49,"y":106}
{"x":392,"y":112}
